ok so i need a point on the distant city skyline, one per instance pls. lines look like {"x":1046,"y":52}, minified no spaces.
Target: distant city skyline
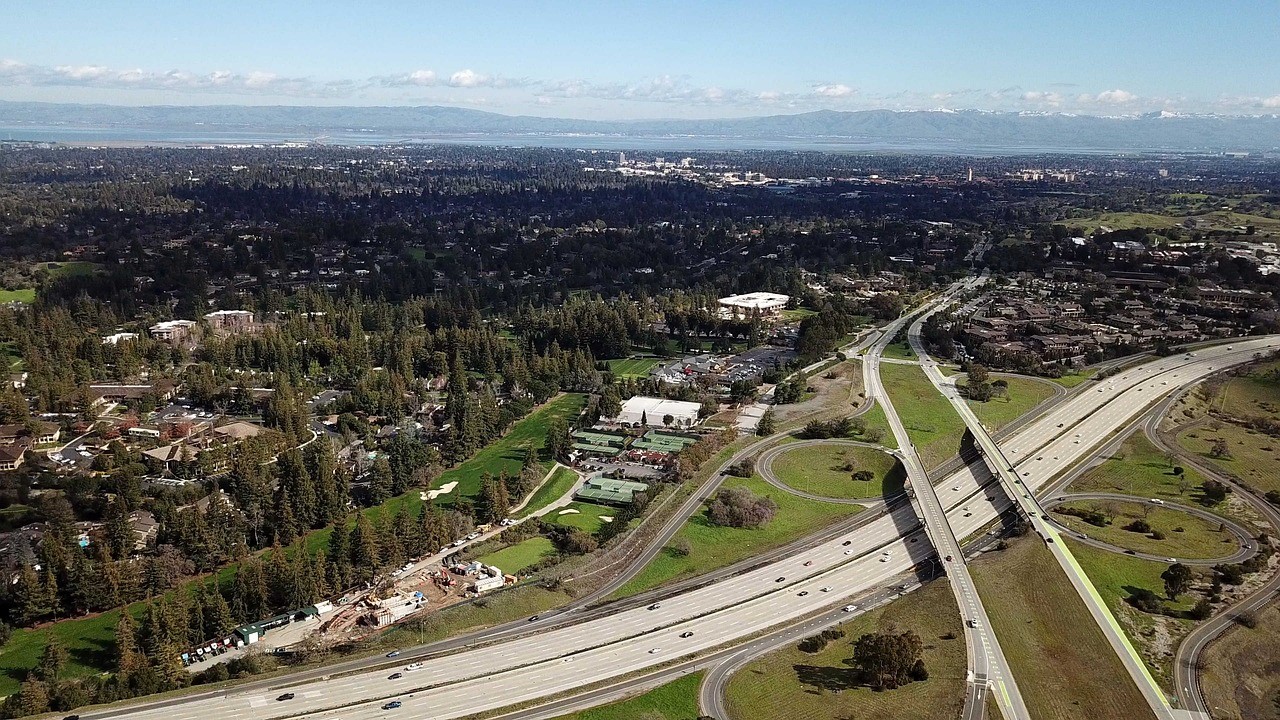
{"x":626,"y":60}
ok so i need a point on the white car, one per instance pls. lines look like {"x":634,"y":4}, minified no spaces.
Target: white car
{"x":850,"y":608}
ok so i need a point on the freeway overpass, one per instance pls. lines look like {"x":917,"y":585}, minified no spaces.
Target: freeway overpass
{"x":987,"y":664}
{"x":1007,"y":473}
{"x":488,"y":676}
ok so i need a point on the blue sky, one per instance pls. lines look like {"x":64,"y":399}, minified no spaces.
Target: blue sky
{"x":614,"y":59}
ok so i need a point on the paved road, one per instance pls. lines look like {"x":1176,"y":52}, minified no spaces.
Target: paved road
{"x":526,"y":668}
{"x":988,"y":667}
{"x":1246,"y":546}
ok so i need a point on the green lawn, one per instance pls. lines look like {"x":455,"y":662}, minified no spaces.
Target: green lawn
{"x":797,"y":314}
{"x":24,"y":295}
{"x":790,"y":684}
{"x":1141,"y":470}
{"x":550,"y":491}
{"x":517,"y":557}
{"x":677,"y":700}
{"x":588,"y":518}
{"x":875,"y":420}
{"x":932,"y":424}
{"x":1254,"y":457}
{"x":90,"y":643}
{"x":1023,"y":396}
{"x":899,"y":351}
{"x":1213,"y":220}
{"x":1115,"y":576}
{"x":820,"y":470}
{"x":712,"y":547}
{"x":69,"y":269}
{"x":1064,"y":666}
{"x":1198,"y":538}
{"x":1076,"y":378}
{"x":633,"y":367}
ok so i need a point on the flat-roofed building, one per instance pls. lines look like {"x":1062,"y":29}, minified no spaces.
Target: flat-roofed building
{"x":765,"y":304}
{"x":174,"y":331}
{"x":645,"y":410}
{"x":230,"y":320}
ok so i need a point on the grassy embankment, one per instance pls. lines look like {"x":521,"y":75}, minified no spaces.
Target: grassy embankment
{"x":790,"y":684}
{"x":677,"y":700}
{"x":1064,"y":666}
{"x":827,"y":470}
{"x":711,"y":546}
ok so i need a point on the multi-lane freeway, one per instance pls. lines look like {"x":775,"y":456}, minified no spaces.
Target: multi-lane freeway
{"x":987,"y":665}
{"x":603,"y":648}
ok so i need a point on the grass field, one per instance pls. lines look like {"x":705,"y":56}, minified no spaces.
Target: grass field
{"x":1064,"y":665}
{"x":1254,"y":457}
{"x":875,"y":420}
{"x":790,"y":684}
{"x":677,"y":700}
{"x":899,"y":350}
{"x":1198,"y":539}
{"x":1073,"y":379}
{"x":1139,"y":468}
{"x":90,"y":643}
{"x":69,"y":269}
{"x":712,"y":547}
{"x":1023,"y":395}
{"x":502,"y":606}
{"x":932,"y":424}
{"x":550,"y":491}
{"x":797,"y":314}
{"x":517,"y":557}
{"x":24,"y":295}
{"x":632,"y":367}
{"x":819,"y":469}
{"x":1240,"y":676}
{"x":1116,"y":576}
{"x":587,"y":518}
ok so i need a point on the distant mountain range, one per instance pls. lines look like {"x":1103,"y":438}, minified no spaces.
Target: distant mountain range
{"x":949,"y":131}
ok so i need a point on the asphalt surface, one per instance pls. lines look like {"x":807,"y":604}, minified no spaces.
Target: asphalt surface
{"x":524,"y":669}
{"x":988,"y":667}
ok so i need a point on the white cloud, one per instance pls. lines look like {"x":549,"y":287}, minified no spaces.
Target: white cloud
{"x":1039,"y":97}
{"x":836,"y":90}
{"x":1271,"y":102}
{"x":467,"y":78}
{"x":1115,"y":97}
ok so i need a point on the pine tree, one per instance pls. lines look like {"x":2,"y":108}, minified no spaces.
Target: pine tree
{"x":217,"y":614}
{"x":120,"y":537}
{"x":53,"y":660}
{"x":364,"y":549}
{"x":128,"y":659}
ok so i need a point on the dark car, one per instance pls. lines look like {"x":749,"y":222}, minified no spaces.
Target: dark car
{"x":780,"y":579}
{"x":392,"y":705}
{"x":533,"y":618}
{"x":686,"y":634}
{"x":654,"y":606}
{"x":286,"y":696}
{"x":847,"y":543}
{"x":395,"y":676}
{"x":393,"y":653}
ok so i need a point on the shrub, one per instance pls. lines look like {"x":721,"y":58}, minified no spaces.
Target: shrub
{"x":739,"y":507}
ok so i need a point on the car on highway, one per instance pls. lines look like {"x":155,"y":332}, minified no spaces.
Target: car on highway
{"x":971,"y":623}
{"x":1157,"y":501}
{"x":884,"y":558}
{"x":825,"y":588}
{"x":533,"y":618}
{"x":413,"y":666}
{"x":395,"y":676}
{"x":850,"y":608}
{"x":654,"y":606}
{"x":392,"y":705}
{"x":286,"y":696}
{"x":394,"y":653}
{"x":655,"y":651}
{"x":780,"y":579}
{"x":686,"y":634}
{"x":846,"y":543}
{"x":802,"y":593}
{"x":808,"y":563}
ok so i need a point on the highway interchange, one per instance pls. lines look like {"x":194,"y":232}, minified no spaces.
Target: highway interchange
{"x":605,"y":647}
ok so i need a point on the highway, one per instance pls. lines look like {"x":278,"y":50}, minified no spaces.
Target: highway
{"x":987,"y":665}
{"x":601,"y":648}
{"x":1129,"y":403}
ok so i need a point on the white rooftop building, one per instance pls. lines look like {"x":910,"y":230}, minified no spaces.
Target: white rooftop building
{"x":653,"y":411}
{"x":118,"y":338}
{"x":766,"y":303}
